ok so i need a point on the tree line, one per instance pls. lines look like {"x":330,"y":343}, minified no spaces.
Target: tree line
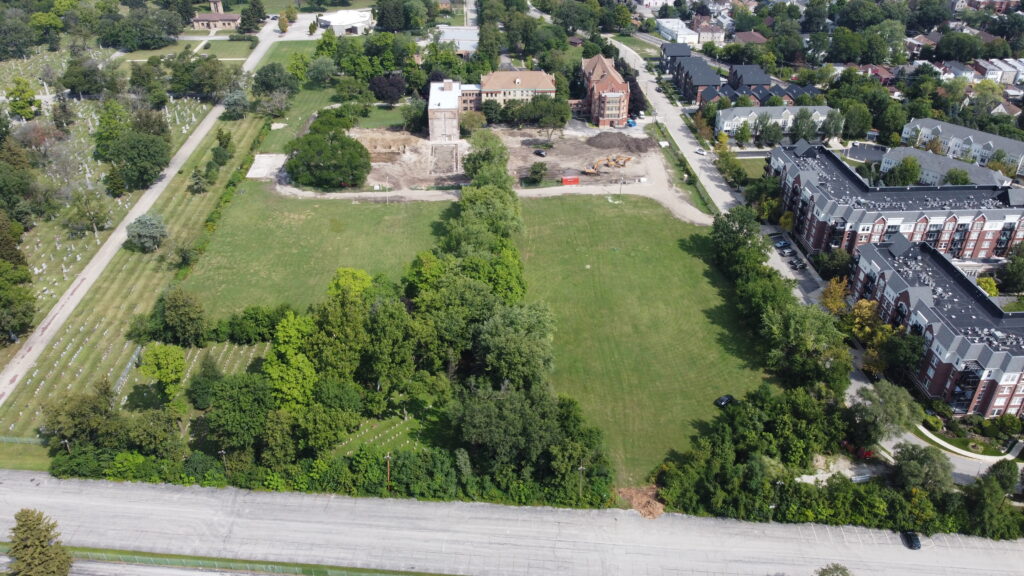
{"x":744,"y":463}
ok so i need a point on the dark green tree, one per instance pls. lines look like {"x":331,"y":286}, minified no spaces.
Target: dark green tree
{"x":147,"y":232}
{"x":331,"y":160}
{"x":36,"y":548}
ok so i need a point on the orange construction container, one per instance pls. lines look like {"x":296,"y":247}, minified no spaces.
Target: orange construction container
{"x":570,"y":180}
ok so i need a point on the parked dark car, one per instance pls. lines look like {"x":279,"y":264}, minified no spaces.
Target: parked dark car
{"x":801,"y":266}
{"x":724,"y":401}
{"x":540,"y":153}
{"x":911,"y":540}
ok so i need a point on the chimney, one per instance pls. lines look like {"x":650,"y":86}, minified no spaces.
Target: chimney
{"x":447,"y":85}
{"x":217,"y":6}
{"x":518,"y":81}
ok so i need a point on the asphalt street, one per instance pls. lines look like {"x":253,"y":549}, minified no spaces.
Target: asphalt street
{"x":469,"y":538}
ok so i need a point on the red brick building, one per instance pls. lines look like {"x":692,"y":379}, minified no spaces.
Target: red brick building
{"x":607,"y":101}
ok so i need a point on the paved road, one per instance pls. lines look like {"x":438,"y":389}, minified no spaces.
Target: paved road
{"x":723,"y":196}
{"x":40,"y":338}
{"x":464,"y":538}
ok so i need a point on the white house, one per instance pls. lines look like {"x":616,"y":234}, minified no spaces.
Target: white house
{"x":675,"y":30}
{"x":345,"y":22}
{"x":960,"y":142}
{"x":730,"y":119}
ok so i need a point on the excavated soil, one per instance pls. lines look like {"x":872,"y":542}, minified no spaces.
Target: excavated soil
{"x":644,"y":500}
{"x":619,"y":141}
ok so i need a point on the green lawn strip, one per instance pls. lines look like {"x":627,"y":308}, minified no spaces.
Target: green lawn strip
{"x":227,"y":49}
{"x":207,"y":562}
{"x":23,"y":456}
{"x":960,"y":443}
{"x":382,"y":117}
{"x":304,"y":105}
{"x":1015,"y":306}
{"x":644,"y":340}
{"x":273,"y":250}
{"x":680,"y":168}
{"x":754,"y":167}
{"x":641,"y":47}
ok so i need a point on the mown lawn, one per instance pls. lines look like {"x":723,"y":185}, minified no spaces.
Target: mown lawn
{"x":281,"y":52}
{"x":23,"y":456}
{"x":644,"y":338}
{"x":304,"y":105}
{"x":382,"y":117}
{"x":273,"y":250}
{"x":227,"y":49}
{"x":754,"y":167}
{"x":641,"y":47}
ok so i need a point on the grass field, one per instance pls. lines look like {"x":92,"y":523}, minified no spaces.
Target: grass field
{"x":17,"y":456}
{"x":304,"y":105}
{"x":281,"y":52}
{"x":273,"y":250}
{"x":227,"y":49}
{"x":754,"y":167}
{"x":42,"y":63}
{"x":644,"y":49}
{"x":91,"y":345}
{"x":172,"y":49}
{"x":644,"y":339}
{"x":382,"y":117}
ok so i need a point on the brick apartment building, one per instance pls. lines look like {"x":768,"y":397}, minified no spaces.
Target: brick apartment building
{"x":959,"y":142}
{"x":449,"y":99}
{"x":607,"y":101}
{"x":975,"y":350}
{"x":835,"y":209}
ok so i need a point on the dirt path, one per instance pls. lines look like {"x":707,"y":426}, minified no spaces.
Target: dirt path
{"x":656,"y":188}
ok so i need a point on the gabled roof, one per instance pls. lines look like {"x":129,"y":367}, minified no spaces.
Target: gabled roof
{"x":699,"y":72}
{"x":994,"y":141}
{"x":217,"y":17}
{"x":518,"y":80}
{"x":675,"y":50}
{"x":750,"y":37}
{"x":751,"y":74}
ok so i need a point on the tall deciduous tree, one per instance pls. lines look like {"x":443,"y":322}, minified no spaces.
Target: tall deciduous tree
{"x":21,"y":99}
{"x":923,"y":467}
{"x":147,"y":232}
{"x":36,"y":548}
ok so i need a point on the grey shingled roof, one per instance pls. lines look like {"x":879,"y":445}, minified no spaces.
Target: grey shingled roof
{"x":673,"y":50}
{"x":700,"y":73}
{"x":942,"y":164}
{"x":751,"y":74}
{"x":1008,"y":145}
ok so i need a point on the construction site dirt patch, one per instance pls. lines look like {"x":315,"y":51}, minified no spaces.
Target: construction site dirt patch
{"x":644,"y":500}
{"x":619,"y":141}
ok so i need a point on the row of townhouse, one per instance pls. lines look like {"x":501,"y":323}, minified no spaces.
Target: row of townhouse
{"x":731,"y":119}
{"x":758,"y":95}
{"x":835,"y":209}
{"x":961,"y":142}
{"x":934,"y":168}
{"x":1003,"y":71}
{"x":974,"y":356}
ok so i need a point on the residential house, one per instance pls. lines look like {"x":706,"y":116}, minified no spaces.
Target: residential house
{"x":835,"y":209}
{"x":998,"y":6}
{"x":960,"y":142}
{"x":730,"y":119}
{"x":974,"y":350}
{"x":671,"y":52}
{"x":710,"y":33}
{"x":883,"y":74}
{"x":960,"y":70}
{"x":1005,"y":108}
{"x":692,"y":76}
{"x":750,"y":75}
{"x":934,"y":167}
{"x":917,"y":43}
{"x":987,"y":70}
{"x":675,"y":30}
{"x":216,"y":18}
{"x":607,"y":101}
{"x":750,"y":37}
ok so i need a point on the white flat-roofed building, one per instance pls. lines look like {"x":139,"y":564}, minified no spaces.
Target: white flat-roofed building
{"x":347,"y":22}
{"x":443,"y":110}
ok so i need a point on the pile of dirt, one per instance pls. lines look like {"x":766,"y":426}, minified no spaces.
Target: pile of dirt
{"x":619,"y":141}
{"x":644,"y":500}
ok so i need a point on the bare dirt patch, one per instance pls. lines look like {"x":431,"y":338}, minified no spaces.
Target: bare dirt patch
{"x":644,"y":500}
{"x":617,"y":155}
{"x":403,"y":161}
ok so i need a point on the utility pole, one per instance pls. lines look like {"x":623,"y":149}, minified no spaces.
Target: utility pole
{"x":388,"y":458}
{"x":580,"y":470}
{"x":67,"y":444}
{"x":222,"y":453}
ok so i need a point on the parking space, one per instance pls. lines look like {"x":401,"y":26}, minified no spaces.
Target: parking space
{"x":792,"y":263}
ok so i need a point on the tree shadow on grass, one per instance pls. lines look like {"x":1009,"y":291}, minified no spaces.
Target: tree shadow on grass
{"x":735,"y":337}
{"x":145,"y":397}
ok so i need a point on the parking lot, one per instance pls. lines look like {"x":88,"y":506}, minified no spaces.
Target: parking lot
{"x":808,"y":283}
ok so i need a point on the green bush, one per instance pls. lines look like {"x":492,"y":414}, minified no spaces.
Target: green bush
{"x":933,"y":423}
